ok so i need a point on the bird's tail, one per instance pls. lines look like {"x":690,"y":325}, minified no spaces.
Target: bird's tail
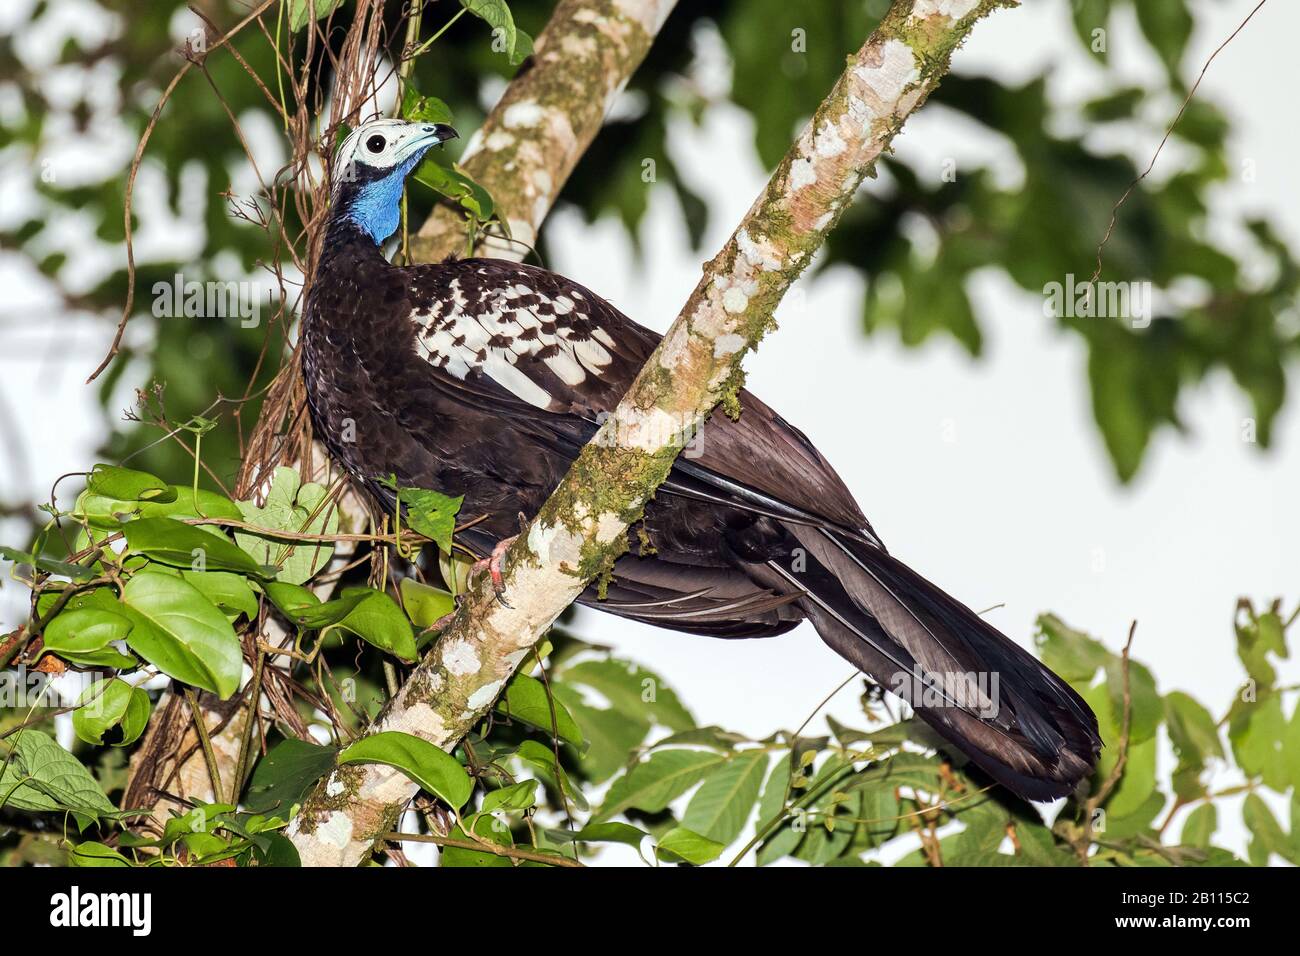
{"x":988,"y":697}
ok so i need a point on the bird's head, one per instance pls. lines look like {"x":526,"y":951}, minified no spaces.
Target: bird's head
{"x":371,"y":165}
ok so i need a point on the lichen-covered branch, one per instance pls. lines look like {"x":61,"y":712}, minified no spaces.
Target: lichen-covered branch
{"x":583,"y":527}
{"x":548,"y":116}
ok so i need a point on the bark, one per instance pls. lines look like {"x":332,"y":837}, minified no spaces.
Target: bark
{"x":529,"y":144}
{"x":582,"y":528}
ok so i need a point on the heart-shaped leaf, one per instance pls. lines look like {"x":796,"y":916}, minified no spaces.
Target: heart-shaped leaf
{"x":431,"y":767}
{"x":182,"y":633}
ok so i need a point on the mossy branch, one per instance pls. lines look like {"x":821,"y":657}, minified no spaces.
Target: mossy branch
{"x":583,"y":527}
{"x":546,"y":119}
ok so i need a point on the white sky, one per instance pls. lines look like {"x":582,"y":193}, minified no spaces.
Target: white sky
{"x":1019,"y":508}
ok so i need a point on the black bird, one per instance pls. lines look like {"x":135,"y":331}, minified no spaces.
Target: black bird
{"x":485,"y":378}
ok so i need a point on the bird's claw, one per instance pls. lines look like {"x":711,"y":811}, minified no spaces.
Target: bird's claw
{"x":494,"y":565}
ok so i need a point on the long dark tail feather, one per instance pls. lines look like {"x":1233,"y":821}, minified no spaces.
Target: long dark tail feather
{"x":988,"y":697}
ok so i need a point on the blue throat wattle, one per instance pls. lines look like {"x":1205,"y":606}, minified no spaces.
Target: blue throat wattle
{"x":376,"y":208}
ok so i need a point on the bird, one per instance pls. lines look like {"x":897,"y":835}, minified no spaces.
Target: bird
{"x":484,"y":378}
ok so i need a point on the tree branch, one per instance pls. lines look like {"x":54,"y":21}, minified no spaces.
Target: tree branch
{"x":548,"y":116}
{"x":582,"y":528}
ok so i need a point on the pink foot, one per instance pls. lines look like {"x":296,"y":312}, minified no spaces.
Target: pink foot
{"x":494,"y":565}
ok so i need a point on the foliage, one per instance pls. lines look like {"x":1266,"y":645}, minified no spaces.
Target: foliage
{"x":144,"y":583}
{"x":929,"y":222}
{"x":583,"y":749}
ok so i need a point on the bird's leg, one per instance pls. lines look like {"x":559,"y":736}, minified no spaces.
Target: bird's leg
{"x":494,"y":565}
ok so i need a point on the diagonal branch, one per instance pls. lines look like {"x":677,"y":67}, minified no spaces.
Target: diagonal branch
{"x":582,"y":528}
{"x":548,"y":116}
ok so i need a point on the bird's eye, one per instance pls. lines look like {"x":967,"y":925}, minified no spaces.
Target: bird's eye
{"x":376,"y":144}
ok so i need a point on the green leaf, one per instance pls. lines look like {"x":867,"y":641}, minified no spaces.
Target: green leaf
{"x":447,"y":179}
{"x":614,"y":832}
{"x":182,"y":633}
{"x":526,"y":699}
{"x":610,"y":735}
{"x":1199,"y":826}
{"x":106,"y":704}
{"x":300,"y":11}
{"x":506,"y":37}
{"x":127,"y":484}
{"x":632,"y":690}
{"x":1268,"y":837}
{"x":518,"y":796}
{"x":722,"y":806}
{"x":1072,"y":654}
{"x":369,"y":614}
{"x":1192,"y":730}
{"x":290,"y":598}
{"x":74,"y":571}
{"x":433,"y":769}
{"x":418,"y":108}
{"x":683,"y":844}
{"x":41,"y":775}
{"x":429,"y":513}
{"x":484,"y":827}
{"x":1167,"y":25}
{"x":186,"y":546}
{"x":542,"y":760}
{"x":91,"y":853}
{"x":425,"y":605}
{"x":1091,"y":15}
{"x":1146,"y":709}
{"x":179,"y":501}
{"x":1257,"y":741}
{"x":79,"y":631}
{"x":230,"y":592}
{"x":297,"y":508}
{"x":283,"y":777}
{"x":655,"y":782}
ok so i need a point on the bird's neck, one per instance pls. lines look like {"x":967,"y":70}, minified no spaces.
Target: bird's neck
{"x":344,"y":234}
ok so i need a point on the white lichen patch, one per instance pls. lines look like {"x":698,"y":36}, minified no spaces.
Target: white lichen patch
{"x":953,"y":9}
{"x":484,"y":695}
{"x":889,"y":71}
{"x":673,"y":350}
{"x":759,"y":253}
{"x":334,"y":786}
{"x":648,"y":14}
{"x":460,"y":658}
{"x":728,"y":344}
{"x":734,"y":300}
{"x":608,"y":527}
{"x":577,"y":48}
{"x":555,"y":545}
{"x":648,"y":431}
{"x":335,"y":830}
{"x":419,"y":719}
{"x":829,"y":142}
{"x":499,"y":140}
{"x":523,"y":114}
{"x":802,"y":173}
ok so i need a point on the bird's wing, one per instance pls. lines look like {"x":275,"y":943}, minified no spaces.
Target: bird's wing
{"x":531,"y":340}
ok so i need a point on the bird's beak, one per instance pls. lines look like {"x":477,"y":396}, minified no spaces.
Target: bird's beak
{"x":429,"y":135}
